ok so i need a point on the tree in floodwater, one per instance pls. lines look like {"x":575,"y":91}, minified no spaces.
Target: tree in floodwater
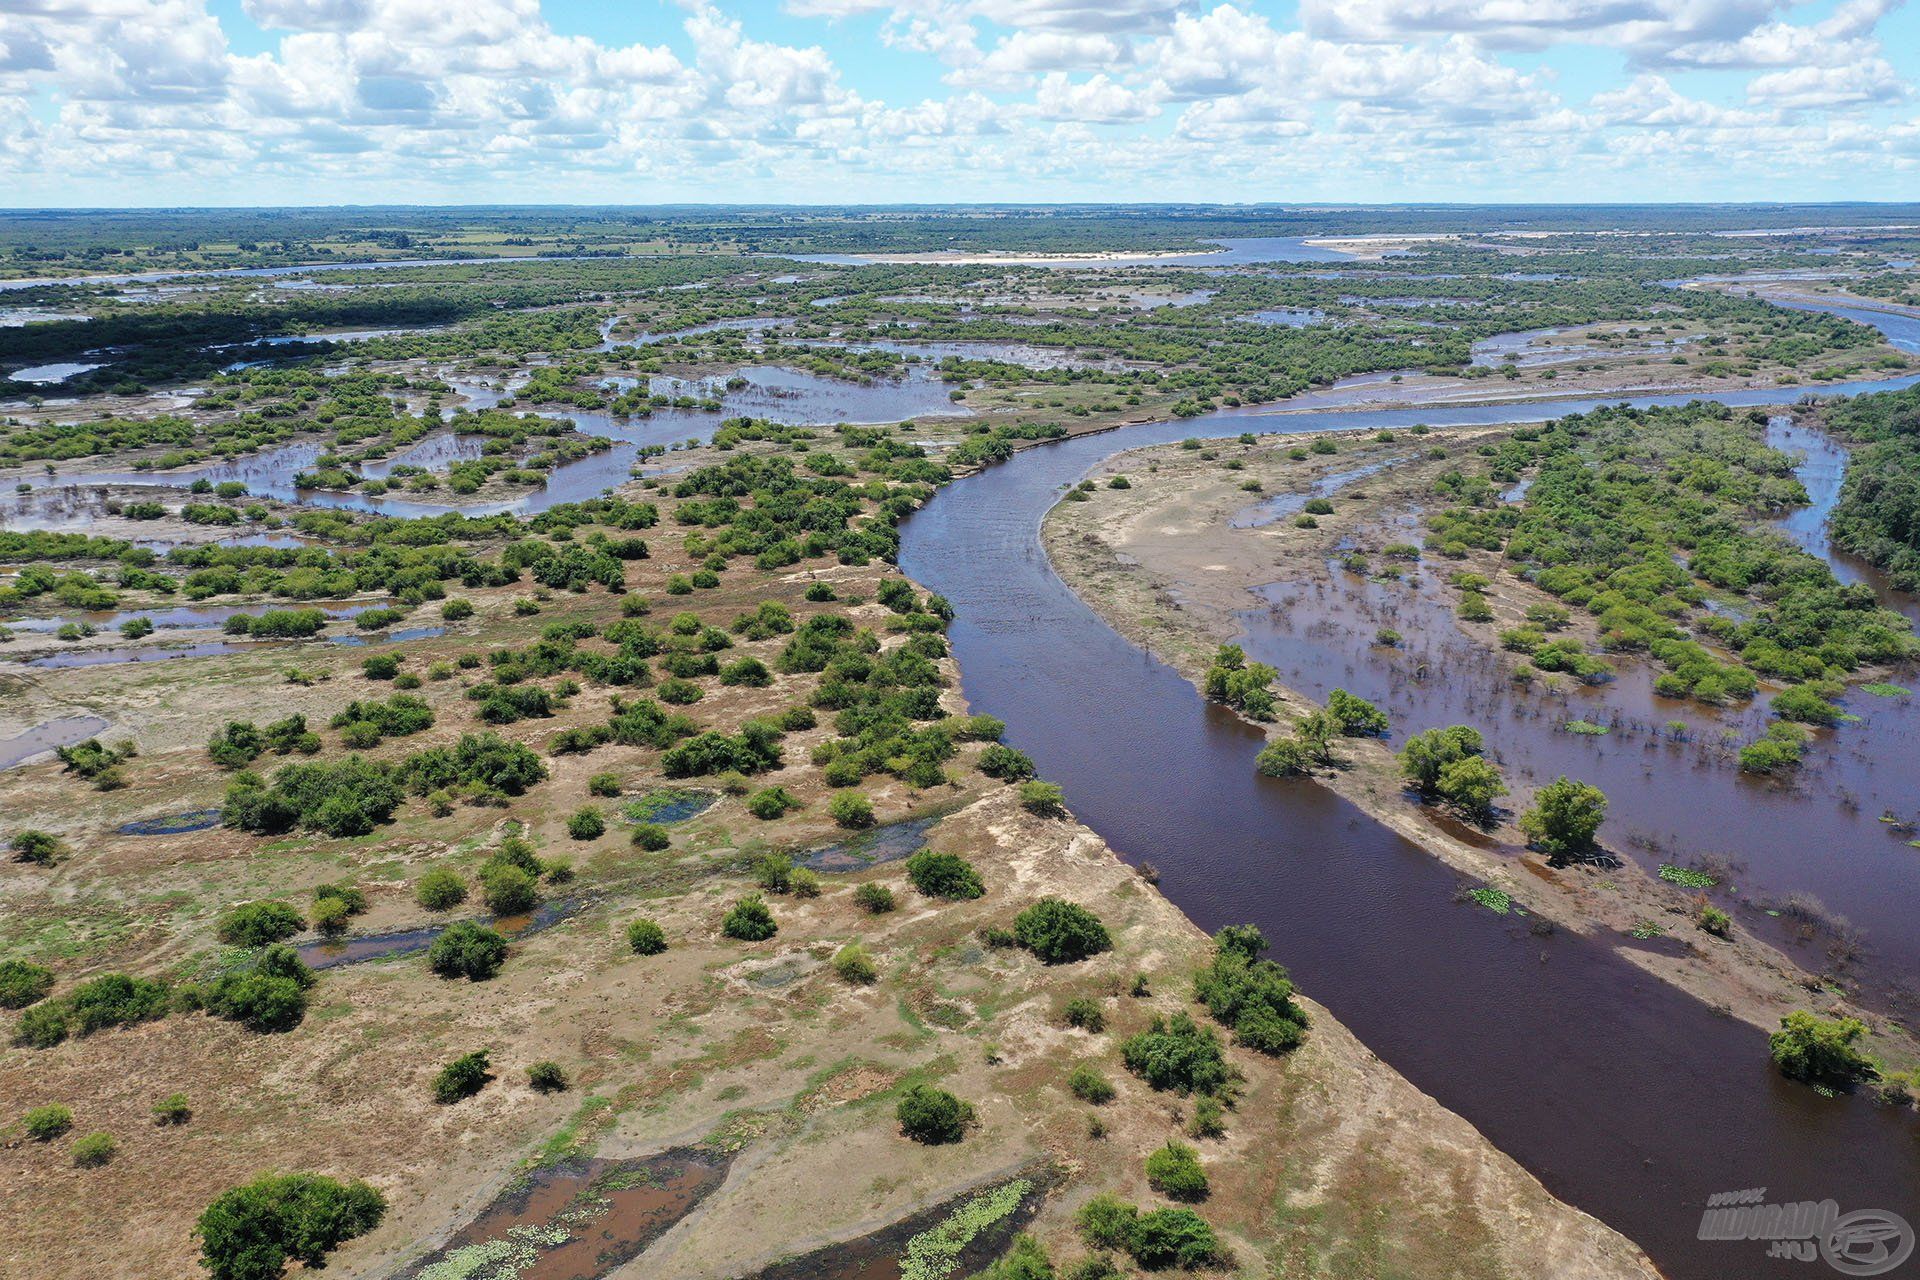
{"x":1564,"y":817}
{"x":1357,"y":717}
{"x":1240,"y":684}
{"x":1821,"y":1050}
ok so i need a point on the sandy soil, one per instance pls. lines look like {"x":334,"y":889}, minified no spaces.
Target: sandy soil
{"x":1160,"y":563}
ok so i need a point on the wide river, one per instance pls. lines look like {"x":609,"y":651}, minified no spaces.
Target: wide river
{"x":1625,"y":1096}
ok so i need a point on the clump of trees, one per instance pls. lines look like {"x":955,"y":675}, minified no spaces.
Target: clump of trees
{"x":1244,"y":686}
{"x":251,"y":1232}
{"x":1250,"y":994}
{"x":1821,"y":1051}
{"x":1155,"y":1239}
{"x":1446,"y":767}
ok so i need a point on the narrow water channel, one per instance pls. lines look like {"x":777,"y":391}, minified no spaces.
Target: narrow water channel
{"x":1623,"y":1095}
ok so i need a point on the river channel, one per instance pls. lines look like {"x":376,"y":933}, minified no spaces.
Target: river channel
{"x":1622,"y":1094}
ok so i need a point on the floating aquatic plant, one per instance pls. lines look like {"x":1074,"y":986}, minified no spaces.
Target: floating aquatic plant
{"x":1686,"y":877}
{"x":1492,"y":899}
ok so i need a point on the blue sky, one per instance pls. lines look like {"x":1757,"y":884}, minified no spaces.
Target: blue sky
{"x":157,"y":102}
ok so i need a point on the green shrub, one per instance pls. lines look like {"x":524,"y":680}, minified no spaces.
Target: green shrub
{"x":1177,"y":1054}
{"x":174,"y":1109}
{"x":460,"y":1079}
{"x":1172,"y":1237}
{"x":37,"y":846}
{"x":1174,"y":1171}
{"x":467,"y":950}
{"x":646,"y":938}
{"x":440,"y":890}
{"x":456,"y":609}
{"x":944,"y":875}
{"x":44,"y":1124}
{"x":586,"y":824}
{"x":772,"y":803}
{"x":1089,"y":1085}
{"x":1821,"y":1050}
{"x":23,"y":983}
{"x":1085,"y":1014}
{"x":114,"y":1000}
{"x":855,"y":965}
{"x":330,"y":916}
{"x":851,"y":810}
{"x":604,"y":784}
{"x":251,"y":1232}
{"x":1045,"y":799}
{"x":258,"y":924}
{"x":94,"y":1150}
{"x":749,"y":920}
{"x":875,"y":899}
{"x":1060,"y":932}
{"x":1006,"y":764}
{"x":546,"y":1077}
{"x":1106,"y":1222}
{"x":266,"y":994}
{"x":1209,"y":1117}
{"x":933,"y":1116}
{"x":509,"y":890}
{"x":1252,"y":995}
{"x":652,"y":837}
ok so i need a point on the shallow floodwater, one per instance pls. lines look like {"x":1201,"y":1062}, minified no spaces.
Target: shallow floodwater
{"x":577,"y":1219}
{"x":1625,"y":1096}
{"x":73,"y":499}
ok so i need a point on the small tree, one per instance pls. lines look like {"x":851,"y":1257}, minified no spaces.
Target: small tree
{"x":749,"y":920}
{"x":460,"y":1079}
{"x":1283,"y":758}
{"x":1045,"y":799}
{"x":37,"y":846}
{"x":933,"y":1116}
{"x":546,"y":1077}
{"x":1564,"y":817}
{"x":1356,"y":717}
{"x":1472,"y":786}
{"x":646,"y":938}
{"x":1059,"y":931}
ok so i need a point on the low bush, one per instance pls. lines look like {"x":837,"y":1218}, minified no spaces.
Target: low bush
{"x":932,"y":1116}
